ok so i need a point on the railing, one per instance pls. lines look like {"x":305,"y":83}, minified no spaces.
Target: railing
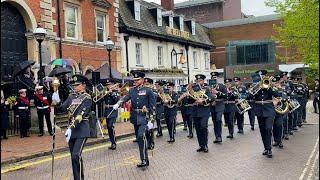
{"x":14,"y":128}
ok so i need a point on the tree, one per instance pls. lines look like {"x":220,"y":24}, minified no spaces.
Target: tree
{"x":299,"y":28}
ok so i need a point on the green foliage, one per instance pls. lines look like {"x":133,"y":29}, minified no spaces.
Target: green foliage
{"x":299,"y":29}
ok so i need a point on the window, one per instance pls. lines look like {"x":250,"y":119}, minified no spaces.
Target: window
{"x":171,"y":21}
{"x":159,"y":17}
{"x":137,"y":10}
{"x":138,"y":54}
{"x":160,"y":56}
{"x":195,"y":60}
{"x":101,"y":28}
{"x":206,"y":61}
{"x":71,"y":16}
{"x":181,"y":23}
{"x":193,"y":28}
{"x":252,"y":54}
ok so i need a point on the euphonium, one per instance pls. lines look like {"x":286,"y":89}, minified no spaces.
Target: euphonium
{"x":281,"y":106}
{"x":266,"y":82}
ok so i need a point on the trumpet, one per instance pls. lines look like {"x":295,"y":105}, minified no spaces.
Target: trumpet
{"x":265,"y":83}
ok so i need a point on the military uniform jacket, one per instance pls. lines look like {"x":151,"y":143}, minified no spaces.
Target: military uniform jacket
{"x":23,"y":110}
{"x":300,"y":92}
{"x":316,"y":89}
{"x":230,"y":107}
{"x":140,"y":96}
{"x":218,"y":104}
{"x":266,"y":109}
{"x":171,"y":111}
{"x":110,"y":100}
{"x":26,"y":82}
{"x":187,"y":105}
{"x":159,"y":106}
{"x":82,"y":129}
{"x":203,"y":110}
{"x":42,"y":101}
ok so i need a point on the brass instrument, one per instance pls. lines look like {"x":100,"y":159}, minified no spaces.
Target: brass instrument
{"x":124,"y":89}
{"x":281,"y":106}
{"x":197,"y":95}
{"x":265,"y":83}
{"x":73,"y":108}
{"x":101,"y":91}
{"x":293,"y":105}
{"x":55,"y":84}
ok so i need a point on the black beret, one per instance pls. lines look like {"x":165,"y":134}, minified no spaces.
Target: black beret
{"x":200,"y":76}
{"x":276,"y":78}
{"x":214,"y":74}
{"x":148,"y":80}
{"x":227,"y":80}
{"x":170,"y":84}
{"x":137,"y":75}
{"x":79,"y":79}
{"x":109,"y":81}
{"x":284,"y":73}
{"x":262,"y":72}
{"x":237,"y":79}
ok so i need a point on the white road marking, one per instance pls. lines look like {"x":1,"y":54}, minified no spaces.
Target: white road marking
{"x":309,"y":160}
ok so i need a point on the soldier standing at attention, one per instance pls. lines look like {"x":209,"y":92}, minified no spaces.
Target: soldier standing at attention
{"x":23,"y":111}
{"x":143,"y":106}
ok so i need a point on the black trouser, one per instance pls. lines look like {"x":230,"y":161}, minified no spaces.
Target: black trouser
{"x":228,"y":117}
{"x":4,"y":133}
{"x":170,"y":120}
{"x":159,"y":117}
{"x":290,"y":121}
{"x":24,"y":122}
{"x":240,"y":119}
{"x":217,"y":123}
{"x":44,"y":113}
{"x":150,"y":137}
{"x":265,"y":126}
{"x":111,"y":131}
{"x":201,"y":126}
{"x":304,"y":111}
{"x":136,"y":128}
{"x":142,"y":142}
{"x":278,"y":128}
{"x":251,"y":117}
{"x":188,"y":119}
{"x":285,"y":124}
{"x":316,"y":105}
{"x":76,"y":146}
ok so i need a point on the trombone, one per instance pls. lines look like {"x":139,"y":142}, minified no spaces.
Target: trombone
{"x":265,"y":83}
{"x":101,"y":91}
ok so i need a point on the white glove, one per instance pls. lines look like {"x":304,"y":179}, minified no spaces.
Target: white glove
{"x":150,"y":125}
{"x":116,"y":106}
{"x":68,"y":134}
{"x":55,"y":98}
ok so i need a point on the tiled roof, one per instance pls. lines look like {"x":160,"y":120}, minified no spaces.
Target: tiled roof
{"x":148,"y":26}
{"x":194,"y":3}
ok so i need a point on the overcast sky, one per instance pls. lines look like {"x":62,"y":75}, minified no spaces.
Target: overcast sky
{"x":249,"y":7}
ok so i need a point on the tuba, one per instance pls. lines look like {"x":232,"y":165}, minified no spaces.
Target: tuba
{"x":197,"y":94}
{"x":281,"y":106}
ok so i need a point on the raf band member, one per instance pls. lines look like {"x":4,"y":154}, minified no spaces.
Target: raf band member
{"x":143,"y":105}
{"x":43,"y":102}
{"x":186,"y":103}
{"x":159,"y":107}
{"x":149,"y":133}
{"x":111,"y":99}
{"x":170,"y":110}
{"x":243,"y":95}
{"x":230,"y":107}
{"x":78,"y":105}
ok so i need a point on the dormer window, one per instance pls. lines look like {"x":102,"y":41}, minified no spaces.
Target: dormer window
{"x":171,"y":21}
{"x":181,"y":23}
{"x":193,"y":28}
{"x":159,"y":17}
{"x":137,"y":11}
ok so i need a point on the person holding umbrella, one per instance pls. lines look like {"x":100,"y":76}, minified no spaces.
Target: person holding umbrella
{"x":25,"y":77}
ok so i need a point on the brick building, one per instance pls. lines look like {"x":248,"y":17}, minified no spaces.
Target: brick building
{"x":75,"y":29}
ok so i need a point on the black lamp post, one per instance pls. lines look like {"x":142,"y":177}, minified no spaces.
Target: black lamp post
{"x":174,"y":53}
{"x":40,"y":34}
{"x":109,"y":46}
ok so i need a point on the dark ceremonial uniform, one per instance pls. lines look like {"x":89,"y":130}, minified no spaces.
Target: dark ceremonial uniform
{"x":78,"y":105}
{"x":316,"y":104}
{"x":149,"y":131}
{"x":159,"y":112}
{"x":23,"y":111}
{"x":288,"y":86}
{"x":111,"y":99}
{"x":300,"y":91}
{"x":230,"y":109}
{"x":304,"y":101}
{"x":43,"y":103}
{"x":200,"y":115}
{"x":4,"y":119}
{"x":141,"y":97}
{"x":295,"y":115}
{"x":251,"y":113}
{"x":278,"y":121}
{"x":240,"y":117}
{"x":170,"y":112}
{"x":186,"y":112}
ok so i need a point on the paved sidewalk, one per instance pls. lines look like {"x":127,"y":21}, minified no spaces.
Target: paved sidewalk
{"x":16,"y":149}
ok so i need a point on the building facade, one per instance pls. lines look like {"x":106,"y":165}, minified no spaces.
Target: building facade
{"x":164,"y":45}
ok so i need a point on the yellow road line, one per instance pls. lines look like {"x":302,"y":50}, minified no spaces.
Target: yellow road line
{"x":62,"y":155}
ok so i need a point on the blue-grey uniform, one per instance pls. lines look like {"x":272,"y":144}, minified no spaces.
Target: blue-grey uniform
{"x":170,"y":111}
{"x":43,"y":102}
{"x":288,"y":85}
{"x":251,"y":113}
{"x":300,"y":91}
{"x":149,"y":132}
{"x":296,"y":113}
{"x":200,"y":115}
{"x":78,"y":104}
{"x":186,"y":105}
{"x":217,"y":108}
{"x":159,"y":110}
{"x":111,"y":99}
{"x":22,"y":107}
{"x":230,"y":108}
{"x":316,"y":104}
{"x":304,"y":98}
{"x":141,"y":97}
{"x":265,"y":112}
{"x":243,"y":93}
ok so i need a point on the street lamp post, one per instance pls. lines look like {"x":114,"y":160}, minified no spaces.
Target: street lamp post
{"x":40,"y":34}
{"x":109,"y":46}
{"x":174,"y":53}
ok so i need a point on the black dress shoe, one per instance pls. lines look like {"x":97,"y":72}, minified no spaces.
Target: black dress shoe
{"x":171,"y":141}
{"x":240,"y":131}
{"x":275,"y":144}
{"x":280,"y":145}
{"x":286,"y":137}
{"x":291,"y":133}
{"x":295,"y":128}
{"x":40,"y":135}
{"x":269,"y":154}
{"x":218,"y":140}
{"x":265,"y":152}
{"x":113,"y":147}
{"x":185,"y":128}
{"x":151,"y":147}
{"x":252,"y":128}
{"x":200,"y":149}
{"x":27,"y":136}
{"x":230,"y":136}
{"x":190,"y":136}
{"x":159,"y":135}
{"x":51,"y":134}
{"x":299,"y":125}
{"x":144,"y":163}
{"x":205,"y":149}
{"x":135,"y":140}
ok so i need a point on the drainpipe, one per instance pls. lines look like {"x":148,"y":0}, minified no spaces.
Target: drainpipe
{"x":59,"y":29}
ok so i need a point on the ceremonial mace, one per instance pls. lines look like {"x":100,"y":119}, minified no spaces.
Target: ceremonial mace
{"x":55,"y":85}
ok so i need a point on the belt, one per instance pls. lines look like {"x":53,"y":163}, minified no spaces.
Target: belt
{"x":139,"y":110}
{"x":26,"y":107}
{"x":264,"y":102}
{"x":188,"y":105}
{"x":109,"y":105}
{"x":300,"y":96}
{"x":158,"y":103}
{"x":229,"y":102}
{"x":250,"y":100}
{"x":219,"y":100}
{"x":44,"y":107}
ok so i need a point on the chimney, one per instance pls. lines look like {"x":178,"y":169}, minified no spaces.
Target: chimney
{"x":167,"y":4}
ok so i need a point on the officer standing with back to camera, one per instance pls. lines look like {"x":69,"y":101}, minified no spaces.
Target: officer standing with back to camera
{"x":78,"y":105}
{"x":186,"y":103}
{"x":43,"y":103}
{"x":159,"y":107}
{"x":201,"y":113}
{"x":111,"y":99}
{"x":217,"y":107}
{"x":148,"y":83}
{"x":143,"y":107}
{"x":316,"y":101}
{"x":243,"y":93}
{"x":230,"y":106}
{"x":170,"y":110}
{"x":265,"y":112}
